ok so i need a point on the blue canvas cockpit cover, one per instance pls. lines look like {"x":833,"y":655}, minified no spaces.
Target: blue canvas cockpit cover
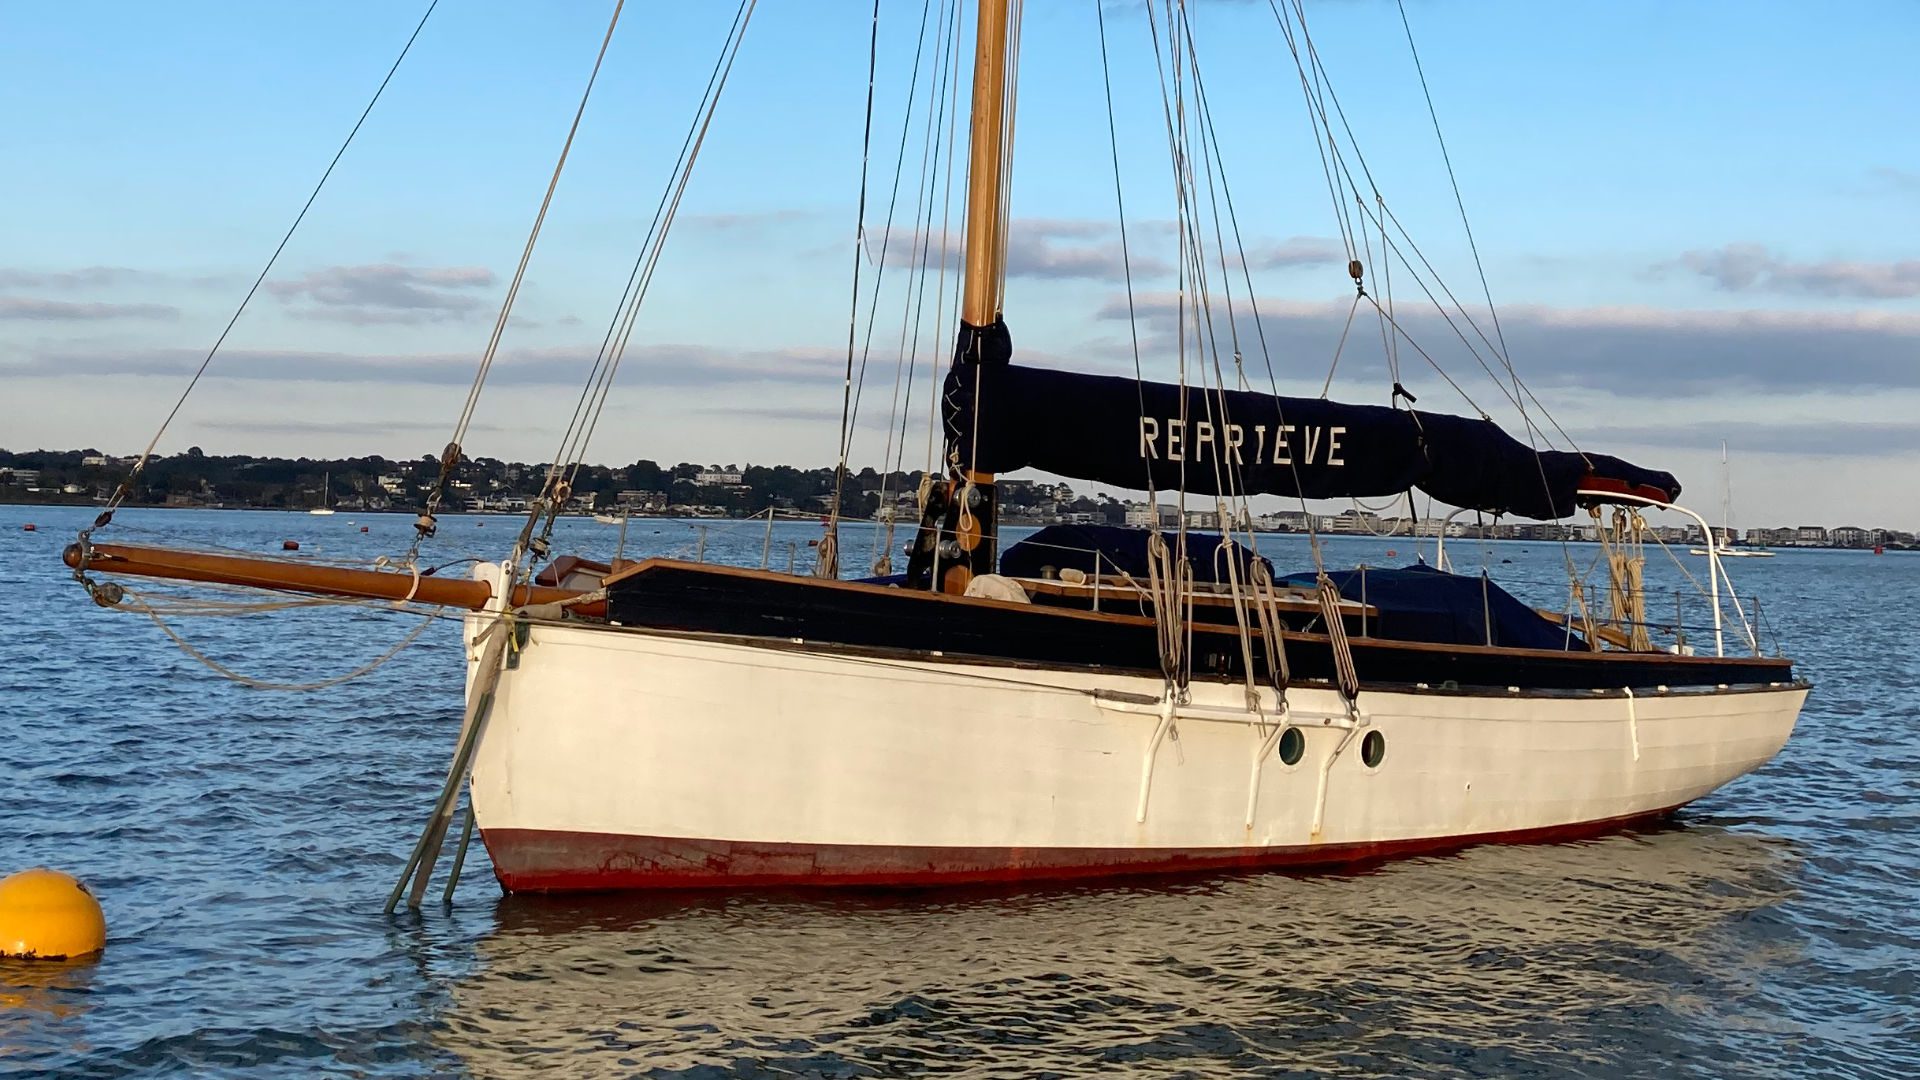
{"x":1420,"y":603}
{"x":1120,"y":549}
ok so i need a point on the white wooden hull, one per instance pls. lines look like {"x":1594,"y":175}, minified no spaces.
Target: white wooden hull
{"x":627,"y":759}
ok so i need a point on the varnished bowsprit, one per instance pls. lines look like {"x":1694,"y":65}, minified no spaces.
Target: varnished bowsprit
{"x":319,"y":579}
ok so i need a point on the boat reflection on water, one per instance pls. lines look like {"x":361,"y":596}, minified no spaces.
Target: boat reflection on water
{"x":1497,"y":954}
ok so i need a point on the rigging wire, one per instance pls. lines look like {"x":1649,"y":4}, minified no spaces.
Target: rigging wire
{"x":1211,"y":145}
{"x":1182,"y":64}
{"x":450,"y":457}
{"x":533,"y":236}
{"x":913,"y":311}
{"x":126,"y":486}
{"x":1493,"y":312}
{"x":1010,"y":117}
{"x":1312,"y":72}
{"x":1328,"y":150}
{"x":829,"y":565}
{"x":1238,"y":590}
{"x":1458,"y":200}
{"x":1206,"y":334}
{"x":1169,"y":582}
{"x":934,"y":396}
{"x":565,"y":455}
{"x":650,"y":257}
{"x":850,"y":412}
{"x":1520,"y":393}
{"x":1513,"y":396}
{"x":1392,"y":344}
{"x":1126,"y":253}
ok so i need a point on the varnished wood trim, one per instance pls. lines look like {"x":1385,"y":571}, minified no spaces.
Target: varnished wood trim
{"x":320,"y":579}
{"x":1217,"y":631}
{"x":1121,"y":590}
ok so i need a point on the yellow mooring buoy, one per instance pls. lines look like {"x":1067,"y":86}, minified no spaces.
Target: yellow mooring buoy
{"x":47,"y":915}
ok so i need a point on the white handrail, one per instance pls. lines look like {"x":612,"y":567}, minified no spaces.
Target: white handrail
{"x":1440,"y":543}
{"x":1715,"y":573}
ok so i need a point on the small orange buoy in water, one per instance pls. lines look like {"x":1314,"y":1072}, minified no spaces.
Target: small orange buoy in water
{"x":363,"y":528}
{"x":46,"y":915}
{"x":29,"y":527}
{"x":289,"y":545}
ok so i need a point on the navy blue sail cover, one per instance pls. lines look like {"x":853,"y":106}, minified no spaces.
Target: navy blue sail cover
{"x":1001,"y":417}
{"x":1420,"y":603}
{"x":1120,"y":549}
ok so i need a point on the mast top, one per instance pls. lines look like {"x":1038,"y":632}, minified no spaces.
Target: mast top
{"x":990,"y":152}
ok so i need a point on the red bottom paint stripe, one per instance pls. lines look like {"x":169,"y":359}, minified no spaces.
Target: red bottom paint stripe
{"x":538,"y":860}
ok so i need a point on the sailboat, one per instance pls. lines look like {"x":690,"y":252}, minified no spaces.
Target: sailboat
{"x":325,"y":509}
{"x":1137,"y":703}
{"x":1721,"y":542}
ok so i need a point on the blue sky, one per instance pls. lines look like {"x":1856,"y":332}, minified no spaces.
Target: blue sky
{"x":1699,"y":221}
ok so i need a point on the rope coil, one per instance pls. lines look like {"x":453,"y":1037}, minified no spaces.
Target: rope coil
{"x":1345,"y":674}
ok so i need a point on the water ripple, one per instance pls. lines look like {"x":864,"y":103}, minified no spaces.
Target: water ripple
{"x":243,"y":841}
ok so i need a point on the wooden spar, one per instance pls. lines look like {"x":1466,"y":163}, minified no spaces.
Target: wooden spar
{"x":975,"y":529}
{"x":317,"y":579}
{"x":986,"y":171}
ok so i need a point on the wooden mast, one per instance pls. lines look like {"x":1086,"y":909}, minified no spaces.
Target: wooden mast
{"x":986,"y":170}
{"x":958,"y":534}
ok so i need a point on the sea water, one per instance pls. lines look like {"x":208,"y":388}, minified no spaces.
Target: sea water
{"x":243,"y":841}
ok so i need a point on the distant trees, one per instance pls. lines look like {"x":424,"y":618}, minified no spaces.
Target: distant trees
{"x":197,"y":478}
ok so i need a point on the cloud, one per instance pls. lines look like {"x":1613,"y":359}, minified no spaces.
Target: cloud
{"x":1840,"y":438}
{"x":1904,"y":180}
{"x":752,"y":222}
{"x":1624,"y":351}
{"x":668,"y":365}
{"x":1073,"y":249}
{"x":386,"y":293}
{"x":90,"y":277}
{"x":1039,"y":255}
{"x":20,"y":307}
{"x":804,"y":414}
{"x":1753,"y":268}
{"x":344,"y":427}
{"x":1295,"y":251}
{"x":1058,"y":249}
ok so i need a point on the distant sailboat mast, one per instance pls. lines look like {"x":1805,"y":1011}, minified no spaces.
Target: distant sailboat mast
{"x":1726,"y":499}
{"x":326,"y":496}
{"x":1722,"y":545}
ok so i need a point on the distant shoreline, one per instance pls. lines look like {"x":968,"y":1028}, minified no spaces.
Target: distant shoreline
{"x":1410,"y":540}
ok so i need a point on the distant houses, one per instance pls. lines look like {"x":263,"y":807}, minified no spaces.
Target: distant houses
{"x":196,"y":479}
{"x":1849,"y":536}
{"x":1844,"y":536}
